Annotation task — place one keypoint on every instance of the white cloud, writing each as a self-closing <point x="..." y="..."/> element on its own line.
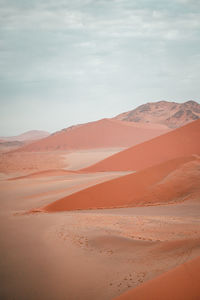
<point x="98" y="51"/>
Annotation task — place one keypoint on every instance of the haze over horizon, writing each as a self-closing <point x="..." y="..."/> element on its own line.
<point x="69" y="62"/>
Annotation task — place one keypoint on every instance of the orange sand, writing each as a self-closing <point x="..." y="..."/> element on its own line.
<point x="26" y="162"/>
<point x="168" y="182"/>
<point x="183" y="141"/>
<point x="23" y="163"/>
<point x="181" y="283"/>
<point x="46" y="256"/>
<point x="100" y="134"/>
<point x="46" y="173"/>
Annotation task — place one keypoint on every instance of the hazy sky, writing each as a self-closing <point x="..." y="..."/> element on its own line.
<point x="64" y="62"/>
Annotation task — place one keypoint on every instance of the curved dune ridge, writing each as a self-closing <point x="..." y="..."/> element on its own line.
<point x="120" y="243"/>
<point x="183" y="141"/>
<point x="45" y="173"/>
<point x="181" y="283"/>
<point x="99" y="134"/>
<point x="154" y="185"/>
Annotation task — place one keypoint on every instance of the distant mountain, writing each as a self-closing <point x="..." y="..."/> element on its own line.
<point x="171" y="114"/>
<point x="27" y="136"/>
<point x="105" y="133"/>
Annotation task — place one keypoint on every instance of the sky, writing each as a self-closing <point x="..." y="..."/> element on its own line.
<point x="65" y="62"/>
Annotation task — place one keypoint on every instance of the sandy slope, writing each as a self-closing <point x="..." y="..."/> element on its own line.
<point x="183" y="141"/>
<point x="29" y="162"/>
<point x="181" y="283"/>
<point x="79" y="159"/>
<point x="26" y="162"/>
<point x="174" y="180"/>
<point x="47" y="256"/>
<point x="104" y="133"/>
<point x="45" y="173"/>
<point x="86" y="255"/>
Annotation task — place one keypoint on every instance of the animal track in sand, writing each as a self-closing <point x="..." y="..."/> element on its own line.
<point x="129" y="281"/>
<point x="141" y="276"/>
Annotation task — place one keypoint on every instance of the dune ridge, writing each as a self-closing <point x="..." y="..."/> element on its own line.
<point x="146" y="187"/>
<point x="104" y="133"/>
<point x="184" y="141"/>
<point x="45" y="173"/>
<point x="181" y="283"/>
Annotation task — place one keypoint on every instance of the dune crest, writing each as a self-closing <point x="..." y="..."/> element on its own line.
<point x="154" y="185"/>
<point x="45" y="173"/>
<point x="105" y="133"/>
<point x="184" y="141"/>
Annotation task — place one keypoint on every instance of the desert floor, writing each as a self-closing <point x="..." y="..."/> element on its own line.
<point x="95" y="254"/>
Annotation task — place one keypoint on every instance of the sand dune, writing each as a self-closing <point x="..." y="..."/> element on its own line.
<point x="183" y="141"/>
<point x="117" y="250"/>
<point x="79" y="159"/>
<point x="154" y="185"/>
<point x="24" y="163"/>
<point x="176" y="245"/>
<point x="181" y="283"/>
<point x="20" y="163"/>
<point x="100" y="134"/>
<point x="45" y="173"/>
<point x="46" y="255"/>
<point x="119" y="244"/>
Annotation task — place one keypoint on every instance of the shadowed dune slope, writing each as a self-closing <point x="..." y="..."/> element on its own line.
<point x="154" y="185"/>
<point x="100" y="134"/>
<point x="181" y="283"/>
<point x="184" y="141"/>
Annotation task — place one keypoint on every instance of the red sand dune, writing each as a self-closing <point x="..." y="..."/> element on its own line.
<point x="181" y="283"/>
<point x="45" y="173"/>
<point x="147" y="187"/>
<point x="100" y="134"/>
<point x="184" y="141"/>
